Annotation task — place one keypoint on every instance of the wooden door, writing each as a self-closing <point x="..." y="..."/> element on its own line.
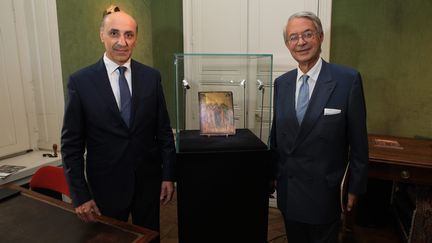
<point x="14" y="135"/>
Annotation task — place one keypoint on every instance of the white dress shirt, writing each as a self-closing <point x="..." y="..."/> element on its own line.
<point x="113" y="75"/>
<point x="313" y="74"/>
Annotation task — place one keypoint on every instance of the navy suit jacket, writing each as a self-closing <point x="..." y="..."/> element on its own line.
<point x="115" y="154"/>
<point x="311" y="158"/>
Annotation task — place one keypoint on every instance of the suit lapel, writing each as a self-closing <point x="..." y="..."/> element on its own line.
<point x="323" y="89"/>
<point x="290" y="102"/>
<point x="101" y="81"/>
<point x="287" y="124"/>
<point x="136" y="87"/>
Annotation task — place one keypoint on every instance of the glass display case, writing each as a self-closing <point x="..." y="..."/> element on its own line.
<point x="246" y="79"/>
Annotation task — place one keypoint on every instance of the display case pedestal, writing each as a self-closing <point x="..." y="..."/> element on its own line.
<point x="222" y="188"/>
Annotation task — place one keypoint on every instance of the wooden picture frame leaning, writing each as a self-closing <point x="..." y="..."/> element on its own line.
<point x="216" y="113"/>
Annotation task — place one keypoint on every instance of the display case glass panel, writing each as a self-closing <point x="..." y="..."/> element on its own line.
<point x="247" y="76"/>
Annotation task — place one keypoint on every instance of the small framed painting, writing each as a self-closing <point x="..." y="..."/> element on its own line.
<point x="216" y="113"/>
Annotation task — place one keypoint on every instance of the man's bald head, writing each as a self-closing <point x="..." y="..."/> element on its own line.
<point x="115" y="11"/>
<point x="118" y="32"/>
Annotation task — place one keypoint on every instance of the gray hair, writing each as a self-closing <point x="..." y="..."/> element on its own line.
<point x="304" y="14"/>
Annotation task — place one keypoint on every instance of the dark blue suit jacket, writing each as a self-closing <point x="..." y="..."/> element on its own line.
<point x="115" y="154"/>
<point x="311" y="158"/>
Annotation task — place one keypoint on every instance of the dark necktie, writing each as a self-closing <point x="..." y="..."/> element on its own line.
<point x="302" y="99"/>
<point x="125" y="96"/>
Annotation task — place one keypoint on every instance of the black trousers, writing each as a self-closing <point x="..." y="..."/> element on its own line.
<point x="145" y="207"/>
<point x="298" y="232"/>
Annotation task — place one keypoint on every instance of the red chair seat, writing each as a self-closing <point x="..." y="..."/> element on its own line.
<point x="52" y="178"/>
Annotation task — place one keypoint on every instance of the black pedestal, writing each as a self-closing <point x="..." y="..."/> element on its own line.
<point x="222" y="188"/>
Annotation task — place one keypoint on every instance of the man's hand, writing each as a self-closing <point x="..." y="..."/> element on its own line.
<point x="167" y="192"/>
<point x="352" y="201"/>
<point x="87" y="210"/>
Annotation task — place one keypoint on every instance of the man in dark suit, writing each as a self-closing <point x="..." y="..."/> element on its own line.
<point x="319" y="128"/>
<point x="123" y="128"/>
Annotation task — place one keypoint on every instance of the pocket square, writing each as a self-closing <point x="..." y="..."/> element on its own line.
<point x="330" y="111"/>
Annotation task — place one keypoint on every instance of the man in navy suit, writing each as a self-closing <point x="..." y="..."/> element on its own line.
<point x="319" y="128"/>
<point x="129" y="162"/>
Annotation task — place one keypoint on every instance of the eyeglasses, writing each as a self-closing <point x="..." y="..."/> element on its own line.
<point x="306" y="36"/>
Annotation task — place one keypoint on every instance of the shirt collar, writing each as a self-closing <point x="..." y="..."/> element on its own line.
<point x="313" y="73"/>
<point x="112" y="66"/>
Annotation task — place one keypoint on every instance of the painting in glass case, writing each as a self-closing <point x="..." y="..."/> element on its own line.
<point x="216" y="113"/>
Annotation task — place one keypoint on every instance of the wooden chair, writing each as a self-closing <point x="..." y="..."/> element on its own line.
<point x="50" y="178"/>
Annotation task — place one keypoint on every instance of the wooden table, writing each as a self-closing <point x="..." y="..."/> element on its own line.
<point x="406" y="160"/>
<point x="27" y="216"/>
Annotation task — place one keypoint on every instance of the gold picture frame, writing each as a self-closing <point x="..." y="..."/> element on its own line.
<point x="216" y="113"/>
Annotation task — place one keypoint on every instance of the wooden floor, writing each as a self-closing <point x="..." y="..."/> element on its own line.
<point x="276" y="232"/>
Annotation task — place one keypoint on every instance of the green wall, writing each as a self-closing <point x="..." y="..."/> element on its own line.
<point x="167" y="25"/>
<point x="160" y="34"/>
<point x="390" y="42"/>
